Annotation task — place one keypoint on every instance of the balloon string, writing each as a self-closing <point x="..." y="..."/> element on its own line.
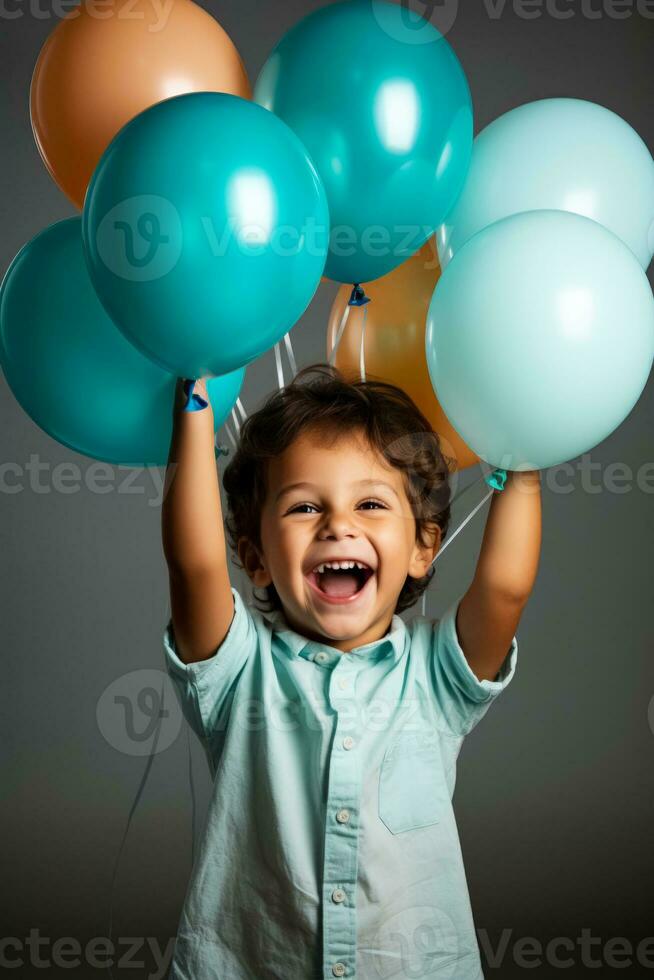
<point x="357" y="298"/>
<point x="278" y="360"/>
<point x="241" y="409"/>
<point x="133" y="807"/>
<point x="231" y="437"/>
<point x="362" y="361"/>
<point x="463" y="524"/>
<point x="148" y="766"/>
<point x="339" y="333"/>
<point x="471" y="486"/>
<point x="459" y="496"/>
<point x="223" y="450"/>
<point x="289" y="351"/>
<point x="278" y="365"/>
<point x="192" y="788"/>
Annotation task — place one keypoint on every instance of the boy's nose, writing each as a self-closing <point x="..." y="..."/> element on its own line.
<point x="337" y="525"/>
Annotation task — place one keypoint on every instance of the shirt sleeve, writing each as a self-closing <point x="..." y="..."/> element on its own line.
<point x="206" y="687"/>
<point x="463" y="699"/>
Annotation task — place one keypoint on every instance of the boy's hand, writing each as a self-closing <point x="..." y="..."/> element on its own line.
<point x="489" y="612"/>
<point x="193" y="534"/>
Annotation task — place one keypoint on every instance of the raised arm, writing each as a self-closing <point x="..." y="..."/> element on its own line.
<point x="489" y="612"/>
<point x="193" y="537"/>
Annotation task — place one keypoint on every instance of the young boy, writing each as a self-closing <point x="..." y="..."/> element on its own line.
<point x="332" y="728"/>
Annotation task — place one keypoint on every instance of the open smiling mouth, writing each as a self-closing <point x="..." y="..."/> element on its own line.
<point x="340" y="586"/>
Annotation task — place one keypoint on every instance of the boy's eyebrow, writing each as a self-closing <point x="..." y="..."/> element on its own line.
<point x="358" y="483"/>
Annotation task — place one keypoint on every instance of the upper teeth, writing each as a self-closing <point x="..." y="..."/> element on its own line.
<point x="339" y="564"/>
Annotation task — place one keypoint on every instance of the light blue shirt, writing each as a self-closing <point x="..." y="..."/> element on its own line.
<point x="330" y="847"/>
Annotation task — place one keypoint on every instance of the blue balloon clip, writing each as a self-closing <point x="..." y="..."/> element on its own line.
<point x="194" y="402"/>
<point x="358" y="296"/>
<point x="496" y="479"/>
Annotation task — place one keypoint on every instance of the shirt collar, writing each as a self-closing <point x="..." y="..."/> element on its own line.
<point x="393" y="643"/>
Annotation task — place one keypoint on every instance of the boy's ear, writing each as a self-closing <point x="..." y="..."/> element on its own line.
<point x="423" y="555"/>
<point x="253" y="563"/>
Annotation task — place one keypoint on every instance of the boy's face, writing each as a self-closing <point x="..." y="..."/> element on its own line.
<point x="352" y="505"/>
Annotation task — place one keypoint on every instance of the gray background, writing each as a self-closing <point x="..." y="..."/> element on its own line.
<point x="555" y="786"/>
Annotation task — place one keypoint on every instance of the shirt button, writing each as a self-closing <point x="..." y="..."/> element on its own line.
<point x="338" y="969"/>
<point x="338" y="895"/>
<point x="348" y="742"/>
<point x="342" y="683"/>
<point x="343" y="816"/>
<point x="321" y="657"/>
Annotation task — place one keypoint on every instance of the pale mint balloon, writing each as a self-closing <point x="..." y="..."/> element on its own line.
<point x="566" y="154"/>
<point x="540" y="338"/>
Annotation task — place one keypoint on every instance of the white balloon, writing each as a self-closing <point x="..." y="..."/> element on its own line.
<point x="566" y="154"/>
<point x="540" y="338"/>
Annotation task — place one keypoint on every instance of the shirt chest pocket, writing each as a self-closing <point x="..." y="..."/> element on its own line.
<point x="412" y="788"/>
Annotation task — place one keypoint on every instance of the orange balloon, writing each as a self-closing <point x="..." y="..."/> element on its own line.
<point x="98" y="69"/>
<point x="394" y="340"/>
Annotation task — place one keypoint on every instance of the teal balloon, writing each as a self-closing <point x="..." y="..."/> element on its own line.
<point x="73" y="372"/>
<point x="540" y="338"/>
<point x="205" y="229"/>
<point x="382" y="104"/>
<point x="563" y="154"/>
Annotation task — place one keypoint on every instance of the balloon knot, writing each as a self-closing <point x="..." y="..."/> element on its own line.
<point x="496" y="479"/>
<point x="358" y="296"/>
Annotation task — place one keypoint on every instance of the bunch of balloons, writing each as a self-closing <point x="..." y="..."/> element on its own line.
<point x="532" y="308"/>
<point x="193" y="253"/>
<point x="501" y="282"/>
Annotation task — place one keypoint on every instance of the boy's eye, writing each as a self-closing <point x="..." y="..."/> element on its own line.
<point x="377" y="503"/>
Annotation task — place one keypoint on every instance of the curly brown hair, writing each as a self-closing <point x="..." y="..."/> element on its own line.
<point x="322" y="400"/>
